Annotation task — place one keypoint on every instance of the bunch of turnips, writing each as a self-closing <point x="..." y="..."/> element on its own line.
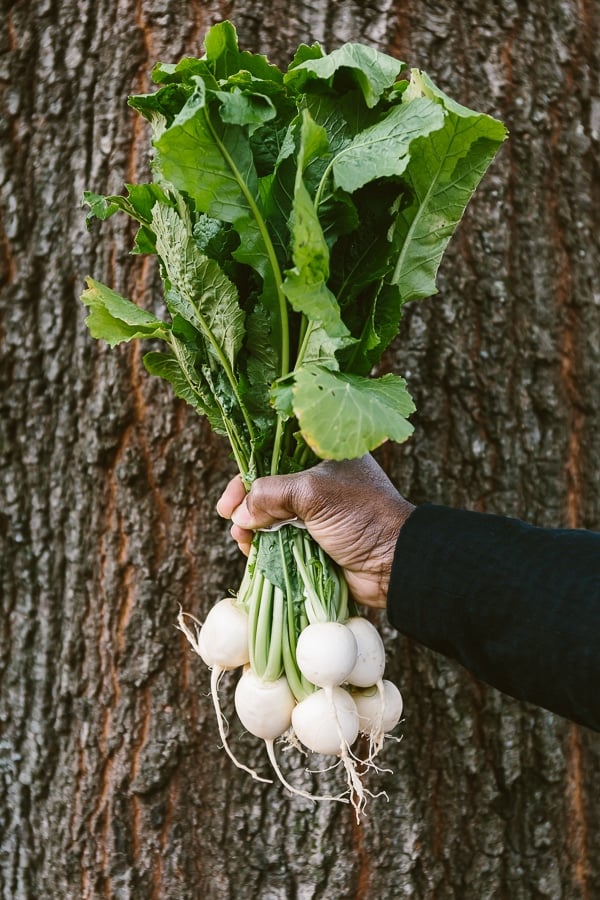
<point x="293" y="214"/>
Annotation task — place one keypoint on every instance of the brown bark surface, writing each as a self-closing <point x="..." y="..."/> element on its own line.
<point x="111" y="780"/>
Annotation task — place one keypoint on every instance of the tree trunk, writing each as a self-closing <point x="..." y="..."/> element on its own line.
<point x="112" y="783"/>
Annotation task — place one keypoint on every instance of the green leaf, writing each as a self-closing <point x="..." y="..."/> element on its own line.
<point x="360" y="261"/>
<point x="305" y="285"/>
<point x="384" y="149"/>
<point x="225" y="59"/>
<point x="322" y="348"/>
<point x="374" y="72"/>
<point x="100" y="207"/>
<point x="276" y="562"/>
<point x="138" y="203"/>
<point x="222" y="52"/>
<point x="199" y="290"/>
<point x="342" y="416"/>
<point x="182" y="374"/>
<point x="212" y="163"/>
<point x="306" y="52"/>
<point x="142" y="198"/>
<point x="282" y="397"/>
<point x="183" y="72"/>
<point x="245" y="108"/>
<point x="160" y="107"/>
<point x="209" y="161"/>
<point x="443" y="172"/>
<point x="115" y="319"/>
<point x="257" y="366"/>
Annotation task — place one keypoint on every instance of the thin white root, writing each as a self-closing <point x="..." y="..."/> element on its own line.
<point x="291" y="742"/>
<point x="358" y="794"/>
<point x="271" y="753"/>
<point x="215" y="676"/>
<point x="192" y="636"/>
<point x="216" y="673"/>
<point x="377" y="735"/>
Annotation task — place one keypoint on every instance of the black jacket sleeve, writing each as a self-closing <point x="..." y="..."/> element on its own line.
<point x="518" y="606"/>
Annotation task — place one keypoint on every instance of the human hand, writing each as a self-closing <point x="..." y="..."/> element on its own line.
<point x="350" y="508"/>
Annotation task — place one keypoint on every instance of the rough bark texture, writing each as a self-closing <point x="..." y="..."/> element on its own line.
<point x="111" y="784"/>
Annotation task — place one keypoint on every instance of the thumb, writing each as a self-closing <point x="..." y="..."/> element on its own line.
<point x="270" y="500"/>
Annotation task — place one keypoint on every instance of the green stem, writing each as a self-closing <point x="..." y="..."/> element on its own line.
<point x="263" y="627"/>
<point x="294" y="679"/>
<point x="305" y="337"/>
<point x="252" y="603"/>
<point x="299" y="686"/>
<point x="284" y="366"/>
<point x="312" y="601"/>
<point x="323" y="180"/>
<point x="232" y="381"/>
<point x="272" y="256"/>
<point x="276" y="455"/>
<point x="274" y="661"/>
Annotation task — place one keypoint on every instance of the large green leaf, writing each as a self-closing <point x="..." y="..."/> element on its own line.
<point x="443" y="172"/>
<point x="208" y="160"/>
<point x="384" y="149"/>
<point x="186" y="382"/>
<point x="115" y="319"/>
<point x="224" y="57"/>
<point x="342" y="416"/>
<point x="212" y="162"/>
<point x="199" y="290"/>
<point x="374" y="72"/>
<point x="305" y="285"/>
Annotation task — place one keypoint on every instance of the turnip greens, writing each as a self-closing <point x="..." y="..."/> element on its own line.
<point x="293" y="214"/>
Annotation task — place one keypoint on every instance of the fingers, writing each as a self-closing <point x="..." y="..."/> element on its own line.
<point x="264" y="506"/>
<point x="243" y="538"/>
<point x="231" y="497"/>
<point x="268" y="502"/>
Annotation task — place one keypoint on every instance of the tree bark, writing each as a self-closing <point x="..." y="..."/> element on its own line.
<point x="111" y="780"/>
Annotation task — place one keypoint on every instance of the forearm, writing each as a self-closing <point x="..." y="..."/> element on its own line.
<point x="518" y="606"/>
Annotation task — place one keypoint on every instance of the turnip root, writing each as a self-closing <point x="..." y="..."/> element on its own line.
<point x="326" y="653"/>
<point x="370" y="658"/>
<point x="223" y="622"/>
<point x="223" y="638"/>
<point x="264" y="707"/>
<point x="265" y="710"/>
<point x="379" y="711"/>
<point x="327" y="723"/>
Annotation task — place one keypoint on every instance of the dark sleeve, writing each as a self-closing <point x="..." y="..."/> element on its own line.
<point x="518" y="606"/>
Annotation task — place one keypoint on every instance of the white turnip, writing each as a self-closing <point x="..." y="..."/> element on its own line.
<point x="370" y="657"/>
<point x="265" y="710"/>
<point x="379" y="711"/>
<point x="219" y="644"/>
<point x="326" y="653"/>
<point x="223" y="639"/>
<point x="327" y="721"/>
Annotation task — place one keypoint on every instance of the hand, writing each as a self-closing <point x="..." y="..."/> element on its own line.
<point x="350" y="508"/>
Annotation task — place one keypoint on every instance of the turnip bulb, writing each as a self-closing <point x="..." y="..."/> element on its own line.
<point x="370" y="658"/>
<point x="223" y="638"/>
<point x="326" y="653"/>
<point x="327" y="721"/>
<point x="264" y="707"/>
